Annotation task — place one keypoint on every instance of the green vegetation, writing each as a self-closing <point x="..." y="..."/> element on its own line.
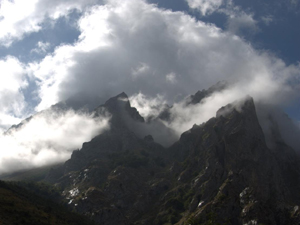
<point x="23" y="207"/>
<point x="208" y="219"/>
<point x="188" y="198"/>
<point x="168" y="217"/>
<point x="41" y="189"/>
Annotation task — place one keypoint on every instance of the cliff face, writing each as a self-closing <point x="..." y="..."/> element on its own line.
<point x="220" y="172"/>
<point x="239" y="180"/>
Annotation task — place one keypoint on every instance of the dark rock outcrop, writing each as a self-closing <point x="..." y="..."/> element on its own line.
<point x="220" y="172"/>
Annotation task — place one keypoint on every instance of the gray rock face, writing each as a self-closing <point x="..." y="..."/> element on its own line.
<point x="240" y="179"/>
<point x="221" y="172"/>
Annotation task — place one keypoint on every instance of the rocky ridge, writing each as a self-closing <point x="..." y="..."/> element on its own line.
<point x="220" y="172"/>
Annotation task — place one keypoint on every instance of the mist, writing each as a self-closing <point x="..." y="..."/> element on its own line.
<point x="158" y="57"/>
<point x="47" y="138"/>
<point x="183" y="115"/>
<point x="135" y="47"/>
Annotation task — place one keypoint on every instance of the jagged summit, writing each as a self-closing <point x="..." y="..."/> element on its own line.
<point x="117" y="99"/>
<point x="197" y="98"/>
<point x="245" y="104"/>
<point x="120" y="109"/>
<point x="122" y="95"/>
<point x="221" y="171"/>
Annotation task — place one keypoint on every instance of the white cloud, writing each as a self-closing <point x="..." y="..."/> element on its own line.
<point x="267" y="19"/>
<point x="238" y="21"/>
<point x="148" y="106"/>
<point x="50" y="73"/>
<point x="262" y="89"/>
<point x="41" y="47"/>
<point x="7" y="120"/>
<point x="124" y="38"/>
<point x="206" y="7"/>
<point x="130" y="46"/>
<point x="12" y="81"/>
<point x="171" y="78"/>
<point x="49" y="137"/>
<point x="20" y="17"/>
<point x="140" y="70"/>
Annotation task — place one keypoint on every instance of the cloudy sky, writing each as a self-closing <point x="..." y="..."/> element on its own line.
<point x="161" y="49"/>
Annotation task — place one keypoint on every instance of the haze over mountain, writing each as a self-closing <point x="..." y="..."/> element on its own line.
<point x="221" y="171"/>
<point x="130" y="46"/>
<point x="157" y="53"/>
<point x="153" y="112"/>
<point x="225" y="170"/>
<point x="50" y="136"/>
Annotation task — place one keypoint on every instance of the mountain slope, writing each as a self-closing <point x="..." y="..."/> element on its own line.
<point x="240" y="180"/>
<point x="20" y="206"/>
<point x="221" y="172"/>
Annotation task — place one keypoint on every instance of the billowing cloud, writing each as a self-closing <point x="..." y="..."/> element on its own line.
<point x="156" y="56"/>
<point x="41" y="47"/>
<point x="132" y="46"/>
<point x="148" y="106"/>
<point x="205" y="6"/>
<point x="238" y="21"/>
<point x="262" y="90"/>
<point x="19" y="17"/>
<point x="49" y="137"/>
<point x="183" y="115"/>
<point x="12" y="81"/>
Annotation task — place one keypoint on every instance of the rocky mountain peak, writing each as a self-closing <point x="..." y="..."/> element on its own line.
<point x="120" y="109"/>
<point x="245" y="105"/>
<point x="117" y="100"/>
<point x="220" y="171"/>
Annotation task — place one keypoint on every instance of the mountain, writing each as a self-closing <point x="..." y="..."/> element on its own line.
<point x="221" y="172"/>
<point x="166" y="110"/>
<point x="200" y="95"/>
<point x="79" y="103"/>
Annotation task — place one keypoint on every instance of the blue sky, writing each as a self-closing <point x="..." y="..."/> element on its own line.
<point x="49" y="41"/>
<point x="276" y="22"/>
<point x="157" y="51"/>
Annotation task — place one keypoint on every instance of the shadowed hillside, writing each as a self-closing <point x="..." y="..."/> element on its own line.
<point x="21" y="206"/>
